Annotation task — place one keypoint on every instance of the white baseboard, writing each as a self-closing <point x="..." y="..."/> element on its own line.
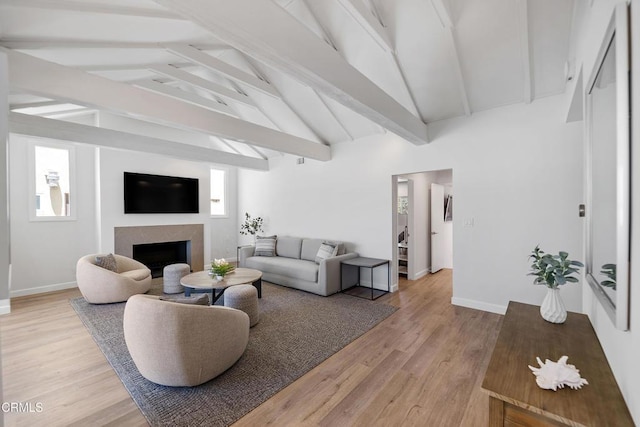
<point x="394" y="287"/>
<point x="42" y="289"/>
<point x="421" y="274"/>
<point x="479" y="305"/>
<point x="5" y="306"/>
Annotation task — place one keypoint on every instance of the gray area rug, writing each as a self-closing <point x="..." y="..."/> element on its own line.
<point x="297" y="331"/>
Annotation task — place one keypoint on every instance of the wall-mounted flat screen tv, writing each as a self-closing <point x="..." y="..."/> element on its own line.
<point x="144" y="194"/>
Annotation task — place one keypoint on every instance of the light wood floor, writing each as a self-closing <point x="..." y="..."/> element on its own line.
<point x="422" y="366"/>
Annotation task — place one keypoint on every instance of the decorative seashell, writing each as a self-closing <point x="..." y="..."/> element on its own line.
<point x="554" y="375"/>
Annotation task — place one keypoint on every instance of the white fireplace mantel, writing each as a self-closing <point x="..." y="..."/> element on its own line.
<point x="126" y="237"/>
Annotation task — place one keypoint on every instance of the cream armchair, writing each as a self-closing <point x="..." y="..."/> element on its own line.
<point x="180" y="345"/>
<point x="99" y="285"/>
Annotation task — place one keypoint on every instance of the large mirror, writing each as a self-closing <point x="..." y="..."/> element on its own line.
<point x="607" y="172"/>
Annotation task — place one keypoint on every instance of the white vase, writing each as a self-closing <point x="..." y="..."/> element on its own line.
<point x="219" y="277"/>
<point x="552" y="309"/>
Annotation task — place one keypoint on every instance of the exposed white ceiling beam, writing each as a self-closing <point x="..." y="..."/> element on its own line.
<point x="25" y="124"/>
<point x="447" y="23"/>
<point x="405" y="83"/>
<point x="396" y="61"/>
<point x="127" y="67"/>
<point x="185" y="96"/>
<point x="199" y="82"/>
<point x="443" y="13"/>
<point x="374" y="10"/>
<point x="34" y="44"/>
<point x="287" y="45"/>
<point x="40" y="77"/>
<point x="325" y="33"/>
<point x="258" y="152"/>
<point x="235" y="149"/>
<point x="303" y="121"/>
<point x="252" y="64"/>
<point x="575" y="107"/>
<point x="84" y="6"/>
<point x="523" y="24"/>
<point x="228" y="145"/>
<point x="218" y="66"/>
<point x="457" y="69"/>
<point x="334" y="115"/>
<point x="67" y="113"/>
<point x="34" y="104"/>
<point x="365" y="18"/>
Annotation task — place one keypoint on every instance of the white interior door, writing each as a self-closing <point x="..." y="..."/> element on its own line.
<point x="437" y="227"/>
<point x="411" y="265"/>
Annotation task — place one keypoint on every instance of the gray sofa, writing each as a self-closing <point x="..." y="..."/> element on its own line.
<point x="294" y="265"/>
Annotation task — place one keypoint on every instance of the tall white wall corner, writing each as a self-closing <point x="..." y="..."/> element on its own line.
<point x="5" y="260"/>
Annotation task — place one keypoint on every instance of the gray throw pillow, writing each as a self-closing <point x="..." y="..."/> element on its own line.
<point x="327" y="250"/>
<point x="107" y="261"/>
<point x="265" y="246"/>
<point x="197" y="300"/>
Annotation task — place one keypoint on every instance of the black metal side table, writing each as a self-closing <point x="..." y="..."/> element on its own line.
<point x="354" y="287"/>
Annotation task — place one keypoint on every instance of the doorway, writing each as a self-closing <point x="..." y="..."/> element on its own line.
<point x="422" y="223"/>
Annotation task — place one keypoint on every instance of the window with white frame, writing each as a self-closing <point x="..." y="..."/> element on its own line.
<point x="218" y="192"/>
<point x="51" y="181"/>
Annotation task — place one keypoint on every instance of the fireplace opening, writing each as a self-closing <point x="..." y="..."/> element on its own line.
<point x="158" y="255"/>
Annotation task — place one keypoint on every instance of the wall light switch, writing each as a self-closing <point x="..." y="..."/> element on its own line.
<point x="468" y="222"/>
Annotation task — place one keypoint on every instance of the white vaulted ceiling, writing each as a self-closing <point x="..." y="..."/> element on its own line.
<point x="313" y="71"/>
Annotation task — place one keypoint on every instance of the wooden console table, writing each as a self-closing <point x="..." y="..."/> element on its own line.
<point x="516" y="400"/>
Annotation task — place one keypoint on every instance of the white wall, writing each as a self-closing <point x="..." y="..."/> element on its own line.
<point x="5" y="261"/>
<point x="505" y="161"/>
<point x="448" y="235"/>
<point x="44" y="253"/>
<point x="445" y="178"/>
<point x="5" y="232"/>
<point x="219" y="232"/>
<point x="622" y="348"/>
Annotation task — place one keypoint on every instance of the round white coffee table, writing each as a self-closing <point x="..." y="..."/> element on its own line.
<point x="201" y="282"/>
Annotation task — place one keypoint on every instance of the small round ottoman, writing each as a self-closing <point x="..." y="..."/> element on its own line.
<point x="245" y="298"/>
<point x="171" y="275"/>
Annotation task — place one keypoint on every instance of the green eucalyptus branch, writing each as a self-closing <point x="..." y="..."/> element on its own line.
<point x="251" y="226"/>
<point x="553" y="270"/>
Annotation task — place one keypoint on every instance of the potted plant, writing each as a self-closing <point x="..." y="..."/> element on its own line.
<point x="220" y="268"/>
<point x="251" y="226"/>
<point x="553" y="271"/>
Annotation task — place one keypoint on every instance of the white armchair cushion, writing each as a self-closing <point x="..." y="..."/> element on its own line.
<point x="100" y="286"/>
<point x="183" y="344"/>
<point x="137" y="274"/>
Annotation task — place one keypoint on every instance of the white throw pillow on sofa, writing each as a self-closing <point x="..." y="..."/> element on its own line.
<point x="327" y="250"/>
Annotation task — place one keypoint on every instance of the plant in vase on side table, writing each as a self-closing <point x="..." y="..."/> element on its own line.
<point x="251" y="226"/>
<point x="553" y="271"/>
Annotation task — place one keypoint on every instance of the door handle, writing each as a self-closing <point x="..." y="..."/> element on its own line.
<point x="434" y="232"/>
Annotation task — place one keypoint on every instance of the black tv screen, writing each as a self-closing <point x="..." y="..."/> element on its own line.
<point x="144" y="193"/>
